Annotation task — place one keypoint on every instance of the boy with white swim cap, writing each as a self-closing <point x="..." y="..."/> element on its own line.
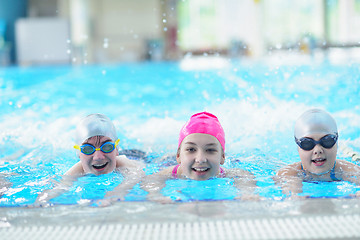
<point x="97" y="148"/>
<point x="316" y="135"/>
<point x="97" y="144"/>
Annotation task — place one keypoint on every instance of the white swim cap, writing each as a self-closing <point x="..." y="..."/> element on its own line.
<point x="314" y="121"/>
<point x="95" y="125"/>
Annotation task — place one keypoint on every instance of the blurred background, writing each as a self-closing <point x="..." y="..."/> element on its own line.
<point x="34" y="32"/>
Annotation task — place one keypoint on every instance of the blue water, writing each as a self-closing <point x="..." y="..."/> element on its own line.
<point x="257" y="105"/>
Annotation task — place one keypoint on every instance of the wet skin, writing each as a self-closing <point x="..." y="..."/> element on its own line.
<point x="99" y="162"/>
<point x="200" y="156"/>
<point x="318" y="160"/>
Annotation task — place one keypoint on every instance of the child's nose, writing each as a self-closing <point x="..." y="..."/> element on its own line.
<point x="201" y="157"/>
<point x="98" y="155"/>
<point x="318" y="149"/>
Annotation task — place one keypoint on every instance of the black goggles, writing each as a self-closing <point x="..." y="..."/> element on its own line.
<point x="307" y="144"/>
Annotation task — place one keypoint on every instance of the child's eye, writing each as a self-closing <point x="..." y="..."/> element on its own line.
<point x="211" y="150"/>
<point x="191" y="149"/>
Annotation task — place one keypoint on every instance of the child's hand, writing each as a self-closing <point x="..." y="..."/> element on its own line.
<point x="4" y="186"/>
<point x="41" y="201"/>
<point x="110" y="198"/>
<point x="40" y="204"/>
<point x="357" y="194"/>
<point x="159" y="198"/>
<point x="248" y="197"/>
<point x="103" y="203"/>
<point x="297" y="197"/>
<point x="115" y="196"/>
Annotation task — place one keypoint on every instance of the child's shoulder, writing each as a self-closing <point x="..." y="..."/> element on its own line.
<point x="346" y="166"/>
<point x="169" y="170"/>
<point x="76" y="170"/>
<point x="123" y="161"/>
<point x="165" y="173"/>
<point x="289" y="170"/>
<point x="236" y="172"/>
<point x="348" y="171"/>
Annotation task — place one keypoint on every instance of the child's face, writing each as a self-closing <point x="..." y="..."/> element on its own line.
<point x="99" y="162"/>
<point x="318" y="160"/>
<point x="200" y="156"/>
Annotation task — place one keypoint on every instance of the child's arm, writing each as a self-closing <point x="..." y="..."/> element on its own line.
<point x="45" y="196"/>
<point x="154" y="183"/>
<point x="245" y="182"/>
<point x="132" y="171"/>
<point x="75" y="170"/>
<point x="66" y="182"/>
<point x="289" y="181"/>
<point x="350" y="172"/>
<point x="4" y="185"/>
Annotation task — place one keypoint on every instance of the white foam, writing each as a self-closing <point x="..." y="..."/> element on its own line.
<point x="31" y="130"/>
<point x="246" y="124"/>
<point x="158" y="134"/>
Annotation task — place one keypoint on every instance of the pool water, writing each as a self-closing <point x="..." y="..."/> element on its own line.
<point x="257" y="104"/>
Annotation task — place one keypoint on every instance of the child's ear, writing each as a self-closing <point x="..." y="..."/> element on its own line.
<point x="178" y="156"/>
<point x="222" y="158"/>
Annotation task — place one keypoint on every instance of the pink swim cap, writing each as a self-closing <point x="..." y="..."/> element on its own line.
<point x="203" y="122"/>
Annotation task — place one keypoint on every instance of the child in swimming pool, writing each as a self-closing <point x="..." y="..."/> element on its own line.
<point x="200" y="154"/>
<point x="97" y="148"/>
<point x="316" y="136"/>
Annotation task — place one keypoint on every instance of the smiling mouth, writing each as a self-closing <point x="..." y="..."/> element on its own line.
<point x="200" y="169"/>
<point x="98" y="167"/>
<point x="318" y="161"/>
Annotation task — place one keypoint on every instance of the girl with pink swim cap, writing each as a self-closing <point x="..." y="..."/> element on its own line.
<point x="201" y="151"/>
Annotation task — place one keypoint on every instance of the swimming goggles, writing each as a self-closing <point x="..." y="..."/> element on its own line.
<point x="89" y="149"/>
<point x="307" y="144"/>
